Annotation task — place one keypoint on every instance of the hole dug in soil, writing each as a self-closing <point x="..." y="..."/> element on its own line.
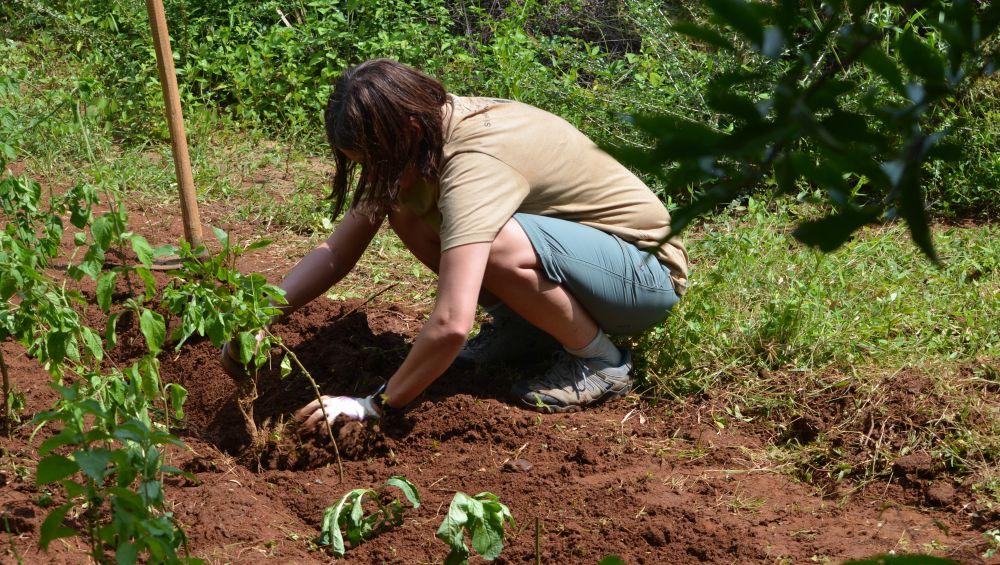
<point x="349" y="355"/>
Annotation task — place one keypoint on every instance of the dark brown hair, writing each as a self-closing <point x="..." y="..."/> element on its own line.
<point x="390" y="115"/>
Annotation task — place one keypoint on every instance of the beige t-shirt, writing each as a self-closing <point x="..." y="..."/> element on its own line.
<point x="502" y="157"/>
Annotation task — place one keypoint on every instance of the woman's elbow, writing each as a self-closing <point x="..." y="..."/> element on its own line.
<point x="452" y="330"/>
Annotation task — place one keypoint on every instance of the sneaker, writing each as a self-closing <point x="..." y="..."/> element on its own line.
<point x="507" y="340"/>
<point x="572" y="383"/>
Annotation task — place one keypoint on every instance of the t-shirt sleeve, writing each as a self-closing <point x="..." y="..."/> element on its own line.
<point x="479" y="193"/>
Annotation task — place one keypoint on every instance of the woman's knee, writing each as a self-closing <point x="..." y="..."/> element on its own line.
<point x="511" y="250"/>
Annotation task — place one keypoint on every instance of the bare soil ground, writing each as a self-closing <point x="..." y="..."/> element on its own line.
<point x="653" y="484"/>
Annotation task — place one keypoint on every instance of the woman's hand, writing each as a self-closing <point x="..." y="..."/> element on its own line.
<point x="230" y="359"/>
<point x="359" y="409"/>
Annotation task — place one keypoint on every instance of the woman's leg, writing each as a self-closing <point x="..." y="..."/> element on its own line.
<point x="514" y="274"/>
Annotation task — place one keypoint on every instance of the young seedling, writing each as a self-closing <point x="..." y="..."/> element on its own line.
<point x="483" y="516"/>
<point x="214" y="299"/>
<point x="360" y="526"/>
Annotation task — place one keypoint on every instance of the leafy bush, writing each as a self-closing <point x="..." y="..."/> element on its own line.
<point x="855" y="103"/>
<point x="107" y="454"/>
<point x="271" y="65"/>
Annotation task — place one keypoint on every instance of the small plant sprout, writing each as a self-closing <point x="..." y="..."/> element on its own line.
<point x="483" y="516"/>
<point x="349" y="513"/>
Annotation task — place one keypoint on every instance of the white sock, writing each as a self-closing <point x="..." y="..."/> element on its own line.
<point x="599" y="349"/>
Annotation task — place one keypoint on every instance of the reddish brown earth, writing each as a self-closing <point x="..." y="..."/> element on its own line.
<point x="653" y="484"/>
<point x="625" y="478"/>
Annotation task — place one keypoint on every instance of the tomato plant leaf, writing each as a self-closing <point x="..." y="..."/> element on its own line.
<point x="100" y="229"/>
<point x="127" y="554"/>
<point x="332" y="517"/>
<point x="222" y="237"/>
<point x="248" y="346"/>
<point x="111" y="330"/>
<point x="93" y="343"/>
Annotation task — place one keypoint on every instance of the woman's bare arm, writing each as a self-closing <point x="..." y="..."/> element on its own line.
<point x="330" y="262"/>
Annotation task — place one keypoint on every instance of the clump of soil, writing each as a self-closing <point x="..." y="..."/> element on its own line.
<point x="295" y="451"/>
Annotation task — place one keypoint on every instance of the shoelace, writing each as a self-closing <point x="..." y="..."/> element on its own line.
<point x="568" y="367"/>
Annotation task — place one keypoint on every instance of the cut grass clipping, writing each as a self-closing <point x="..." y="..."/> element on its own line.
<point x="483" y="516"/>
<point x="360" y="526"/>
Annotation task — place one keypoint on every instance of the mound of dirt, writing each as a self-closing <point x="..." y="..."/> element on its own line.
<point x="302" y="451"/>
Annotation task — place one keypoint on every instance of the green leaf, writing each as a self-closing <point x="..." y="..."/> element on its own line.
<point x="54" y="468"/>
<point x="330" y="534"/>
<point x="879" y="63"/>
<point x="93" y="463"/>
<point x="222" y="237"/>
<point x="178" y="395"/>
<point x="101" y="230"/>
<point x="912" y="209"/>
<point x="105" y="289"/>
<point x="56" y="345"/>
<point x="487" y="538"/>
<point x="127" y="554"/>
<point x="143" y="251"/>
<point x="260" y="243"/>
<point x="703" y="34"/>
<point x="53" y="528"/>
<point x="286" y="368"/>
<point x="741" y="17"/>
<point x="611" y="560"/>
<point x="93" y="343"/>
<point x="154" y="329"/>
<point x="408" y="488"/>
<point x="248" y="347"/>
<point x="921" y="59"/>
<point x="64" y="437"/>
<point x="831" y="232"/>
<point x="111" y="330"/>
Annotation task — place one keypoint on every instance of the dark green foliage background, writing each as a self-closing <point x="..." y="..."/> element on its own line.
<point x="269" y="65"/>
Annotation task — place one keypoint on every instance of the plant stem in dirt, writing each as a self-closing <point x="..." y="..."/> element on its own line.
<point x="246" y="395"/>
<point x="8" y="413"/>
<point x="319" y="397"/>
<point x="538" y="541"/>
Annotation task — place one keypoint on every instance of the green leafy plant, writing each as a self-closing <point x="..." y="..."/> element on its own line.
<point x="114" y="466"/>
<point x="108" y="451"/>
<point x="848" y="101"/>
<point x="992" y="543"/>
<point x="214" y="299"/>
<point x="483" y="516"/>
<point x="360" y="525"/>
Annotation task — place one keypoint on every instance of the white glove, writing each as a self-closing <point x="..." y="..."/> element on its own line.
<point x="354" y="408"/>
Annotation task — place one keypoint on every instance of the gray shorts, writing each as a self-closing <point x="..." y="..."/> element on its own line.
<point x="624" y="289"/>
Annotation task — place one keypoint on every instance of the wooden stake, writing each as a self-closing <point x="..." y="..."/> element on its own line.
<point x="175" y="121"/>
